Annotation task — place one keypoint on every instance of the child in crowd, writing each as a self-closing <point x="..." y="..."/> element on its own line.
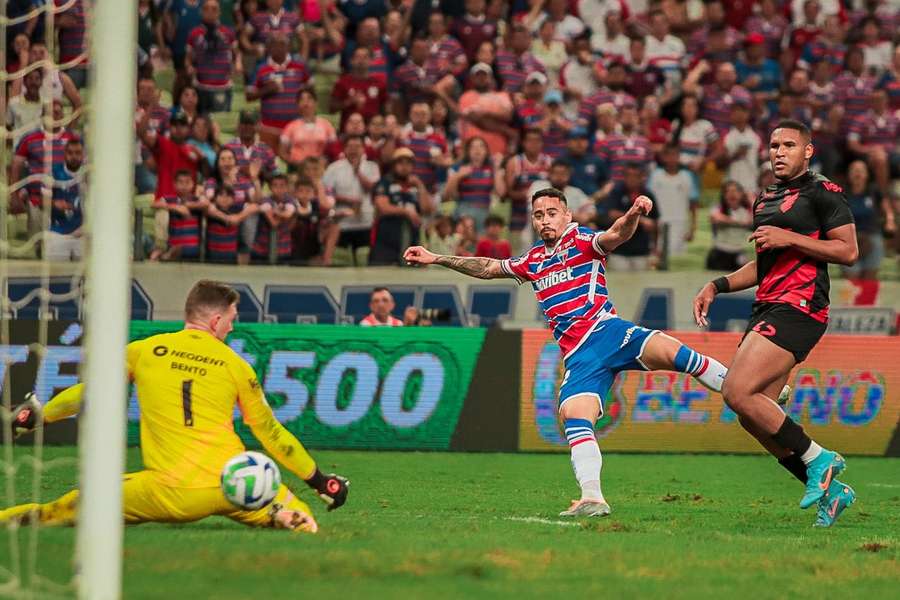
<point x="223" y="225"/>
<point x="278" y="212"/>
<point x="491" y="245"/>
<point x="184" y="219"/>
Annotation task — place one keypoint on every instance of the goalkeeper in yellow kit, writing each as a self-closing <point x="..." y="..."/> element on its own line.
<point x="187" y="385"/>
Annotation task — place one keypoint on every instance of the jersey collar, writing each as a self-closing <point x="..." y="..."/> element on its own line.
<point x="551" y="251"/>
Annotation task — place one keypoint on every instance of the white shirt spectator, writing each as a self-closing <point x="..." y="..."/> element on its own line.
<point x="618" y="47"/>
<point x="667" y="55"/>
<point x="23" y="115"/>
<point x="575" y="198"/>
<point x="879" y="56"/>
<point x="566" y="30"/>
<point x="370" y="320"/>
<point x="341" y="180"/>
<point x="745" y="169"/>
<point x="675" y="194"/>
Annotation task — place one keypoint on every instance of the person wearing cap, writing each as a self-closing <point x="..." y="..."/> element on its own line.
<point x="516" y="61"/>
<point x="400" y="202"/>
<point x="554" y="124"/>
<point x="248" y="147"/>
<point x="486" y="113"/>
<point x="589" y="173"/>
<point x="759" y="74"/>
<point x="742" y="148"/>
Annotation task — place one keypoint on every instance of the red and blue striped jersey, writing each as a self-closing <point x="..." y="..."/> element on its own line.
<point x="72" y="40"/>
<point x="260" y="151"/>
<point x="853" y="94"/>
<point x="716" y="105"/>
<point x="411" y="81"/>
<point x="514" y="69"/>
<point x="871" y="129"/>
<point x="527" y="172"/>
<point x="446" y="56"/>
<point x="569" y="281"/>
<point x="475" y="190"/>
<point x="588" y="107"/>
<point x="32" y="147"/>
<point x="222" y="237"/>
<point x="280" y="108"/>
<point x="212" y="60"/>
<point x="890" y="83"/>
<point x="425" y="145"/>
<point x="619" y="150"/>
<point x="244" y="190"/>
<point x="184" y="232"/>
<point x="264" y="23"/>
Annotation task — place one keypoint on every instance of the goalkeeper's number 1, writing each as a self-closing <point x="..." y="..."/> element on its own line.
<point x="186" y="386"/>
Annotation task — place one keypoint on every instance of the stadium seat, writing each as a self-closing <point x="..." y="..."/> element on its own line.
<point x="444" y="297"/>
<point x="490" y="303"/>
<point x="300" y="304"/>
<point x="141" y="304"/>
<point x="64" y="303"/>
<point x="655" y="309"/>
<point x="250" y="309"/>
<point x="355" y="301"/>
<point x="730" y="312"/>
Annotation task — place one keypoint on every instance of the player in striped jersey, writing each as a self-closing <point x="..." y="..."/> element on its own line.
<point x="566" y="267"/>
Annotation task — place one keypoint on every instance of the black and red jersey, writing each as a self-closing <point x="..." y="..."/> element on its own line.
<point x="810" y="205"/>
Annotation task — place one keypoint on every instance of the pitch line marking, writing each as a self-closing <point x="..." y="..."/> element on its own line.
<point x="543" y="521"/>
<point x="885" y="485"/>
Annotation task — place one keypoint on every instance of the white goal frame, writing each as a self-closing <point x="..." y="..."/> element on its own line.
<point x="110" y="142"/>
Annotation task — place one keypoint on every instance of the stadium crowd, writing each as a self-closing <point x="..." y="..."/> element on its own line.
<point x="379" y="124"/>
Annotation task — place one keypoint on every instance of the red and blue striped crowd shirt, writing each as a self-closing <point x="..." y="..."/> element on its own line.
<point x="475" y="190"/>
<point x="222" y="237"/>
<point x="853" y="94"/>
<point x="33" y="147"/>
<point x="569" y="281"/>
<point x="871" y="129"/>
<point x="282" y="234"/>
<point x="73" y="40"/>
<point x="716" y="105"/>
<point x="527" y="173"/>
<point x="264" y="23"/>
<point x="184" y="232"/>
<point x="514" y="69"/>
<point x="619" y="150"/>
<point x="410" y="80"/>
<point x="260" y="151"/>
<point x="588" y="107"/>
<point x="425" y="145"/>
<point x="447" y="56"/>
<point x="213" y="64"/>
<point x="244" y="190"/>
<point x="279" y="109"/>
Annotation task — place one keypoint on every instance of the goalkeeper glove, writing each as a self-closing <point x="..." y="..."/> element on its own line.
<point x="331" y="488"/>
<point x="25" y="416"/>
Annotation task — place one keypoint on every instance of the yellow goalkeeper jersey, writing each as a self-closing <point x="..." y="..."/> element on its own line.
<point x="188" y="384"/>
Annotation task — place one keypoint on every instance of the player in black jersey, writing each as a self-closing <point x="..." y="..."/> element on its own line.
<point x="801" y="223"/>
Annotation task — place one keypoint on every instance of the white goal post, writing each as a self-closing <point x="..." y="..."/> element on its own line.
<point x="110" y="142"/>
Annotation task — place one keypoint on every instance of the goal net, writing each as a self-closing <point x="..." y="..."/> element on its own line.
<point x="64" y="271"/>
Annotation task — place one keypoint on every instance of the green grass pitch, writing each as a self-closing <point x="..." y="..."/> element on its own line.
<point x="434" y="525"/>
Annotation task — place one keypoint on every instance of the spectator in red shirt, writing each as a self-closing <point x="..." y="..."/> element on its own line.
<point x="491" y="245"/>
<point x="172" y="153"/>
<point x="808" y="30"/>
<point x="359" y="90"/>
<point x="474" y="28"/>
<point x="642" y="78"/>
<point x="381" y="303"/>
<point x="212" y="57"/>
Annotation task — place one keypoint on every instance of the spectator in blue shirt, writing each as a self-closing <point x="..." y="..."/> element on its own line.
<point x="64" y="240"/>
<point x="760" y="75"/>
<point x="589" y="172"/>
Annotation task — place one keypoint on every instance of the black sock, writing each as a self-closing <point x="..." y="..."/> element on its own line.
<point x="794" y="466"/>
<point x="791" y="436"/>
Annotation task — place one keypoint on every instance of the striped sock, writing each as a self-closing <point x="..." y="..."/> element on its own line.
<point x="708" y="371"/>
<point x="586" y="458"/>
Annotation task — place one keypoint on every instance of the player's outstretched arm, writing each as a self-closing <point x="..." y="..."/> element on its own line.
<point x="742" y="279"/>
<point x="282" y="445"/>
<point x="473" y="266"/>
<point x="625" y="226"/>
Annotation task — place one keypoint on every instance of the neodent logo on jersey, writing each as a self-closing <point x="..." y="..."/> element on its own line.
<point x="555" y="278"/>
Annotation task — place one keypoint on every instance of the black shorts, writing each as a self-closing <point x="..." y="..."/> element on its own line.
<point x="786" y="327"/>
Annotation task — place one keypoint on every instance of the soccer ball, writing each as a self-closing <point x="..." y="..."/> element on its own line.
<point x="250" y="480"/>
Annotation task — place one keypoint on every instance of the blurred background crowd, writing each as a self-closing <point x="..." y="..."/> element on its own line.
<point x="338" y="132"/>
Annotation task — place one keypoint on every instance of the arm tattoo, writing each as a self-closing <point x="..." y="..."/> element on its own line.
<point x="482" y="268"/>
